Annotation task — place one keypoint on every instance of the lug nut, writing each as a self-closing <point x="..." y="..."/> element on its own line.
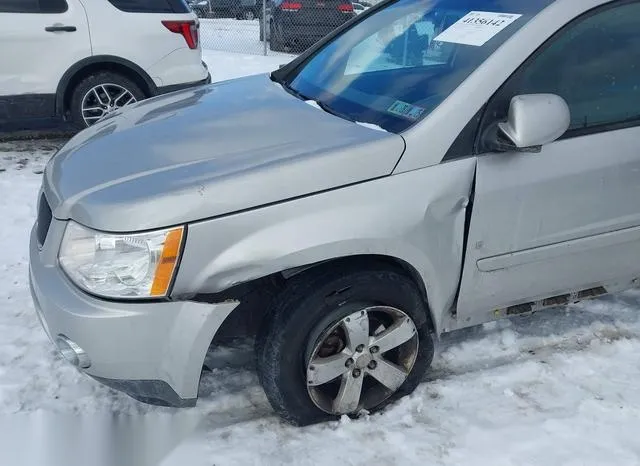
<point x="374" y="349"/>
<point x="349" y="363"/>
<point x="356" y="373"/>
<point x="372" y="365"/>
<point x="360" y="348"/>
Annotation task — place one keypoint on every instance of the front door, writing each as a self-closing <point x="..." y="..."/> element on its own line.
<point x="566" y="220"/>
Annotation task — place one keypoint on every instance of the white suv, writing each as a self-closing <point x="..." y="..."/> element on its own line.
<point x="74" y="61"/>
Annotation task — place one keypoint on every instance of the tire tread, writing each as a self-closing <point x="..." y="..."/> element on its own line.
<point x="274" y="336"/>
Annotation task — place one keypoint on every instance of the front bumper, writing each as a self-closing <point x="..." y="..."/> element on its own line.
<point x="153" y="351"/>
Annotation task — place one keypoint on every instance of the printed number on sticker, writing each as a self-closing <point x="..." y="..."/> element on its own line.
<point x="476" y="28"/>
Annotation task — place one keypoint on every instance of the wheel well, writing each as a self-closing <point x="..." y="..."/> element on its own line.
<point x="97" y="67"/>
<point x="255" y="296"/>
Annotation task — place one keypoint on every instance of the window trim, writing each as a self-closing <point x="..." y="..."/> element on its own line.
<point x="485" y="124"/>
<point x="463" y="145"/>
<point x="39" y="11"/>
<point x="177" y="7"/>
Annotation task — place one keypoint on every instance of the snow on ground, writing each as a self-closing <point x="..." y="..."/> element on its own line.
<point x="224" y="65"/>
<point x="232" y="35"/>
<point x="557" y="388"/>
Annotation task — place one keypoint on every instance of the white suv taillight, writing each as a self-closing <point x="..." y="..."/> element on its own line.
<point x="189" y="30"/>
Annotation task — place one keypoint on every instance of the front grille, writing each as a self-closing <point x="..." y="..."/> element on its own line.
<point x="44" y="219"/>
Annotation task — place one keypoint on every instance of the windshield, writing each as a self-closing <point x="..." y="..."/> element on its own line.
<point x="399" y="64"/>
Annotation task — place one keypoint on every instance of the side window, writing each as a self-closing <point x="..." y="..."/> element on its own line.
<point x="53" y="6"/>
<point x="151" y="6"/>
<point x="594" y="64"/>
<point x="33" y="6"/>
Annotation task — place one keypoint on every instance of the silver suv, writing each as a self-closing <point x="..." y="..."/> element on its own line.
<point x="427" y="167"/>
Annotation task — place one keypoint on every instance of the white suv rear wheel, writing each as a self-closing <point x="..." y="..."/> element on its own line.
<point x="99" y="94"/>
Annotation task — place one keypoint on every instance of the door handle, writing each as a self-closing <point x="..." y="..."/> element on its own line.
<point x="60" y="29"/>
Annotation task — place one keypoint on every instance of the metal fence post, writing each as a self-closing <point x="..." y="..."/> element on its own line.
<point x="264" y="26"/>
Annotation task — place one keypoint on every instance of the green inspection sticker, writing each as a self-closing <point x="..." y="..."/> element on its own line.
<point x="406" y="110"/>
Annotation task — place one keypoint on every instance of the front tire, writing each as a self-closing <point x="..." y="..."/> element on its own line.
<point x="341" y="340"/>
<point x="99" y="94"/>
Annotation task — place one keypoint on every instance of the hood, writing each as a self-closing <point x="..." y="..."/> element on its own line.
<point x="209" y="151"/>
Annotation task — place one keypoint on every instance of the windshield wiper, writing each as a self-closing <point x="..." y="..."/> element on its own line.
<point x="319" y="103"/>
<point x="328" y="109"/>
<point x="291" y="90"/>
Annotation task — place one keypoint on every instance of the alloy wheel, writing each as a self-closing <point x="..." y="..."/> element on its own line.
<point x="103" y="99"/>
<point x="361" y="360"/>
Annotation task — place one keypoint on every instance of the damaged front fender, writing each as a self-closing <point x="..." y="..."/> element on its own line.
<point x="416" y="217"/>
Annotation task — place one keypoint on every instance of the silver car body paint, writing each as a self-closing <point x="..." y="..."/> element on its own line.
<point x="164" y="341"/>
<point x="268" y="183"/>
<point x="427" y="233"/>
<point x="572" y="216"/>
<point x="241" y="144"/>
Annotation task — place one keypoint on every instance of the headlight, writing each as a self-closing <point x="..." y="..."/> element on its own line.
<point x="121" y="266"/>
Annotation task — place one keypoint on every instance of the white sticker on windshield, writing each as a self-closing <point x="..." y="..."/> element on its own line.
<point x="476" y="28"/>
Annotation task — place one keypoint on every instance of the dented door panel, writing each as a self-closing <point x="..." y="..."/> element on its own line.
<point x="564" y="220"/>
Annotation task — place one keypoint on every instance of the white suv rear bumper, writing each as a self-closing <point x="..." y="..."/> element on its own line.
<point x="179" y="67"/>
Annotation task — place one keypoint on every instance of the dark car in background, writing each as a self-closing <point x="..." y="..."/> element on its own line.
<point x="199" y="7"/>
<point x="239" y="9"/>
<point x="297" y="24"/>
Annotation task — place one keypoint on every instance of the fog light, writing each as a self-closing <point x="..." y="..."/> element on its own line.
<point x="72" y="352"/>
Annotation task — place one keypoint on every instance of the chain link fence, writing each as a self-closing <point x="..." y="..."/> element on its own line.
<point x="270" y="27"/>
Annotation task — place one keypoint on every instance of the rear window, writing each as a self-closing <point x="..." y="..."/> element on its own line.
<point x="151" y="6"/>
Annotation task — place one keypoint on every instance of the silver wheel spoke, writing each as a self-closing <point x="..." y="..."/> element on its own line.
<point x="388" y="374"/>
<point x="349" y="395"/>
<point x="117" y="99"/>
<point x="98" y="97"/>
<point x="357" y="328"/>
<point x="93" y="109"/>
<point x="394" y="336"/>
<point x="323" y="370"/>
<point x="91" y="118"/>
<point x="106" y="92"/>
<point x="125" y="93"/>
